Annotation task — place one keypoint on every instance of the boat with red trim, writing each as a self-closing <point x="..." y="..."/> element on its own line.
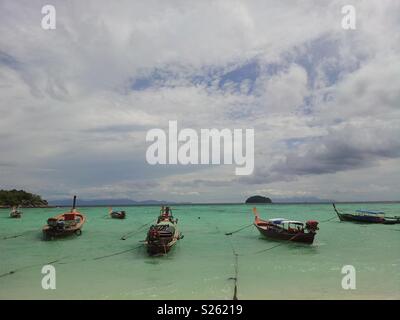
<point x="289" y="230"/>
<point x="163" y="235"/>
<point x="65" y="224"/>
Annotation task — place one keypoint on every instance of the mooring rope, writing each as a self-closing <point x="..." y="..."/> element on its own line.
<point x="12" y="237"/>
<point x="116" y="253"/>
<point x="28" y="267"/>
<point x="335" y="217"/>
<point x="18" y="235"/>
<point x="132" y="233"/>
<point x="230" y="233"/>
<point x="59" y="261"/>
<point x="236" y="264"/>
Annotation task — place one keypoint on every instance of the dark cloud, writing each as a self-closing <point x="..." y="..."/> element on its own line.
<point x="347" y="149"/>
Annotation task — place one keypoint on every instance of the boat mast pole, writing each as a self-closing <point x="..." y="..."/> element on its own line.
<point x="73" y="204"/>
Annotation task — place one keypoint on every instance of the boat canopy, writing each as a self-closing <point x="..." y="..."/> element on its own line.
<point x="277" y="220"/>
<point x="369" y="212"/>
<point x="293" y="222"/>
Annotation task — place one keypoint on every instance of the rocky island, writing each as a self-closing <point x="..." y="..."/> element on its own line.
<point x="258" y="199"/>
<point x="10" y="198"/>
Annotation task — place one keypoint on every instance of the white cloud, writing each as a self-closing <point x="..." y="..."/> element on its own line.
<point x="71" y="119"/>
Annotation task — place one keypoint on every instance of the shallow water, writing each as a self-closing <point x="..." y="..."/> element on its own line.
<point x="96" y="265"/>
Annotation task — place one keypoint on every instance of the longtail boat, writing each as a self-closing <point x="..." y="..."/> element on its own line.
<point x="163" y="235"/>
<point x="366" y="216"/>
<point x="65" y="224"/>
<point x="15" y="213"/>
<point x="117" y="214"/>
<point x="283" y="229"/>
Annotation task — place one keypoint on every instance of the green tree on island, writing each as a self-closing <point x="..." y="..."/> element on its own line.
<point x="9" y="198"/>
<point x="258" y="199"/>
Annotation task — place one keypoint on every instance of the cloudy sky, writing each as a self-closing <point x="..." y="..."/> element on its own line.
<point x="76" y="102"/>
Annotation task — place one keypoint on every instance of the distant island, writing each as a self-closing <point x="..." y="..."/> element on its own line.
<point x="10" y="198"/>
<point x="258" y="199"/>
<point x="110" y="202"/>
<point x="309" y="199"/>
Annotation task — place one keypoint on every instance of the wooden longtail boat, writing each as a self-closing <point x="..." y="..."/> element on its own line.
<point x="366" y="216"/>
<point x="282" y="229"/>
<point x="15" y="213"/>
<point x="117" y="214"/>
<point x="64" y="224"/>
<point x="162" y="236"/>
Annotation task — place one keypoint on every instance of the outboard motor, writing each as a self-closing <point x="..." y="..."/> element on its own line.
<point x="153" y="233"/>
<point x="312" y="225"/>
<point x="52" y="222"/>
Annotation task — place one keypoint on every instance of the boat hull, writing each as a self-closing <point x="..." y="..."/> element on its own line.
<point x="276" y="234"/>
<point x="365" y="218"/>
<point x="49" y="233"/>
<point x="360" y="219"/>
<point x="54" y="232"/>
<point x="158" y="249"/>
<point x="118" y="215"/>
<point x="391" y="221"/>
<point x="162" y="245"/>
<point x="15" y="215"/>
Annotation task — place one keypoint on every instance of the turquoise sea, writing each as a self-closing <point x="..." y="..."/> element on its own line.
<point x="99" y="265"/>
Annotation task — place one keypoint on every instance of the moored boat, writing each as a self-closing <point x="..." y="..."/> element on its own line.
<point x="163" y="235"/>
<point x="15" y="213"/>
<point x="117" y="214"/>
<point x="283" y="229"/>
<point x="65" y="224"/>
<point x="366" y="216"/>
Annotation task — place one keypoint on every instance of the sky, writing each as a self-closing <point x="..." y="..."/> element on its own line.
<point x="324" y="102"/>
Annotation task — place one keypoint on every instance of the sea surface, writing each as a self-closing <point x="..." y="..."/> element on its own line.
<point x="99" y="265"/>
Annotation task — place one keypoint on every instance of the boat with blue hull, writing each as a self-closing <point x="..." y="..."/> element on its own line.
<point x="366" y="216"/>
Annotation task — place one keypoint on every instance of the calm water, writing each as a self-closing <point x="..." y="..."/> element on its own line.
<point x="95" y="266"/>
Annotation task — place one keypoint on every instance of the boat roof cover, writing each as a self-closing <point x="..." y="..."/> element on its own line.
<point x="294" y="222"/>
<point x="370" y="212"/>
<point x="165" y="223"/>
<point x="277" y="220"/>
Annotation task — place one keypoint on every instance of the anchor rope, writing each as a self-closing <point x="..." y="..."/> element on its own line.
<point x="30" y="266"/>
<point x="17" y="235"/>
<point x="132" y="233"/>
<point x="236" y="264"/>
<point x="59" y="261"/>
<point x="12" y="237"/>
